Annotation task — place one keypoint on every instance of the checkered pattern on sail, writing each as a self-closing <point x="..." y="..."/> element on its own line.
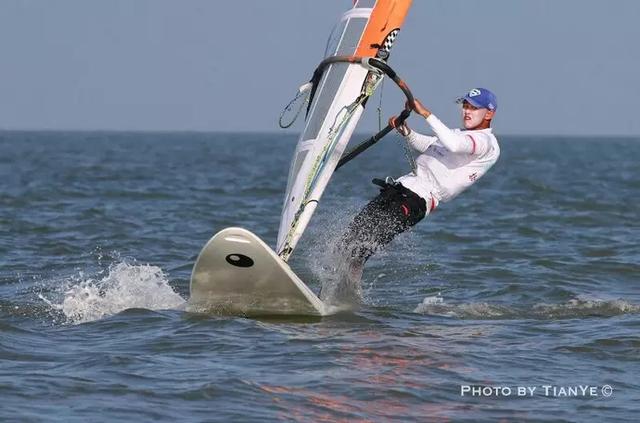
<point x="387" y="44"/>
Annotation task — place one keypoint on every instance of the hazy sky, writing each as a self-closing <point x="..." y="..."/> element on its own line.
<point x="557" y="66"/>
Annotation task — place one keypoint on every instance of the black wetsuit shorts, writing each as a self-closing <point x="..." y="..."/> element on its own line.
<point x="392" y="212"/>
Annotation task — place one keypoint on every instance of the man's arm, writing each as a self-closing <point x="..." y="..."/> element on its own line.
<point x="420" y="142"/>
<point x="417" y="141"/>
<point x="476" y="144"/>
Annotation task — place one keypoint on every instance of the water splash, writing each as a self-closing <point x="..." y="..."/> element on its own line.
<point x="345" y="284"/>
<point x="125" y="286"/>
<point x="574" y="308"/>
<point x="341" y="287"/>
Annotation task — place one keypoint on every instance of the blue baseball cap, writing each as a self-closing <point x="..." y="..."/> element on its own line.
<point x="480" y="97"/>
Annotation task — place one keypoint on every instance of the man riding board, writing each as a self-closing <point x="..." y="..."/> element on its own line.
<point x="448" y="163"/>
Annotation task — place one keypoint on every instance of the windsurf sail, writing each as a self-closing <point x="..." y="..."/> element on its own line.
<point x="338" y="95"/>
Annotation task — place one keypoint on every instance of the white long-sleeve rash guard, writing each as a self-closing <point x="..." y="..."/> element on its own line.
<point x="449" y="162"/>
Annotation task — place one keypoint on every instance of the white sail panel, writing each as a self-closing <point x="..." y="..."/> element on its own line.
<point x="332" y="117"/>
<point x="366" y="31"/>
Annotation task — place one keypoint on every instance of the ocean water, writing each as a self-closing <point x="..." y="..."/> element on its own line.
<point x="518" y="301"/>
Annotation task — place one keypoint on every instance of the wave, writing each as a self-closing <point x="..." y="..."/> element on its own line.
<point x="574" y="308"/>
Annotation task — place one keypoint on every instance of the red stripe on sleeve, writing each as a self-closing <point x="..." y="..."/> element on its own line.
<point x="473" y="150"/>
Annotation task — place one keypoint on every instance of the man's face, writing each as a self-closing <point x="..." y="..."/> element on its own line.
<point x="472" y="116"/>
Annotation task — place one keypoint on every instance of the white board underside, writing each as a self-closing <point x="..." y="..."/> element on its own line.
<point x="237" y="273"/>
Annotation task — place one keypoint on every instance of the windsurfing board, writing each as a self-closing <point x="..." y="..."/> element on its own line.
<point x="237" y="273"/>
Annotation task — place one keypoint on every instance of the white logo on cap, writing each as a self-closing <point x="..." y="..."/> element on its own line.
<point x="474" y="92"/>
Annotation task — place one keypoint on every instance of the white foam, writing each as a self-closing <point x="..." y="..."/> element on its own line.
<point x="436" y="299"/>
<point x="583" y="306"/>
<point x="578" y="307"/>
<point x="125" y="286"/>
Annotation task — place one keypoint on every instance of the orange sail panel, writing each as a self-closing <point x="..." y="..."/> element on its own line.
<point x="387" y="16"/>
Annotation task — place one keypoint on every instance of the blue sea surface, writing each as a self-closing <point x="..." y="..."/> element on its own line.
<point x="529" y="280"/>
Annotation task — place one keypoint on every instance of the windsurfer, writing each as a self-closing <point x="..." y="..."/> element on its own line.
<point x="448" y="163"/>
